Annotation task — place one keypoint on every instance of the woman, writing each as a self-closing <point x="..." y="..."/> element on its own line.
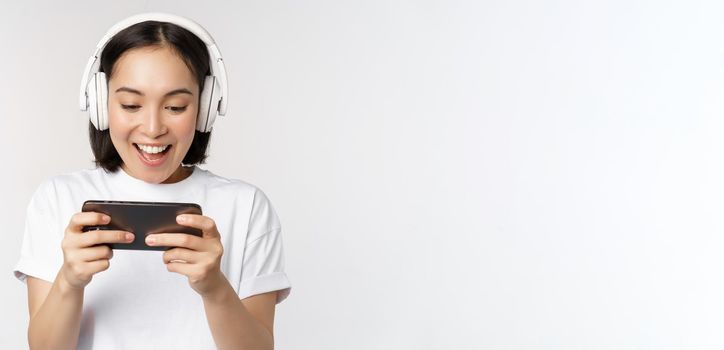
<point x="215" y="291"/>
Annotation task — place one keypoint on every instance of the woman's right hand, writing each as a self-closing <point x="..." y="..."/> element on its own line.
<point x="84" y="253"/>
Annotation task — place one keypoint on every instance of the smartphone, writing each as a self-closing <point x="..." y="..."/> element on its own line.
<point x="142" y="219"/>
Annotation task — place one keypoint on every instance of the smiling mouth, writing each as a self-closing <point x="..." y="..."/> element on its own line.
<point x="152" y="158"/>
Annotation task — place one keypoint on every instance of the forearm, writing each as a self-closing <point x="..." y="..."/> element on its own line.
<point x="232" y="325"/>
<point x="56" y="325"/>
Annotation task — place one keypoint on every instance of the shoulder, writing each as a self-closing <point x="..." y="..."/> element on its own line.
<point x="232" y="186"/>
<point x="58" y="184"/>
<point x="48" y="196"/>
<point x="247" y="195"/>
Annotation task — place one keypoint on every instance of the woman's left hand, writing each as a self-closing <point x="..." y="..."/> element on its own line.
<point x="198" y="258"/>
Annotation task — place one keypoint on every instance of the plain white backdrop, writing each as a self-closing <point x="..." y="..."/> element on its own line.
<point x="449" y="174"/>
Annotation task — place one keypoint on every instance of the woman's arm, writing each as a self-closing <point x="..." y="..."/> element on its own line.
<point x="55" y="312"/>
<point x="55" y="315"/>
<point x="241" y="324"/>
<point x="234" y="324"/>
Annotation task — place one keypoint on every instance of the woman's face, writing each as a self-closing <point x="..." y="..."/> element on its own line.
<point x="152" y="105"/>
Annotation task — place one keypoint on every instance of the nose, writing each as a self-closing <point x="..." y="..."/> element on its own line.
<point x="153" y="125"/>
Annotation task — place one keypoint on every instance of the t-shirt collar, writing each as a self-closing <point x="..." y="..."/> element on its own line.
<point x="140" y="190"/>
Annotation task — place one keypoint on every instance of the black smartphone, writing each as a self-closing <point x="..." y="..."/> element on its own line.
<point x="142" y="219"/>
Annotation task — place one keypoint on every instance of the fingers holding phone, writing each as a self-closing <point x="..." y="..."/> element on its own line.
<point x="87" y="253"/>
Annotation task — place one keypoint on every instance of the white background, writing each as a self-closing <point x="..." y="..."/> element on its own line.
<point x="449" y="174"/>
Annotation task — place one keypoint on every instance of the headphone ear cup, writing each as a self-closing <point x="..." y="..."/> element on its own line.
<point x="97" y="90"/>
<point x="92" y="96"/>
<point x="208" y="104"/>
<point x="102" y="99"/>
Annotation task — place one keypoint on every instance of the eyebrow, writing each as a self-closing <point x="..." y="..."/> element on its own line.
<point x="172" y="92"/>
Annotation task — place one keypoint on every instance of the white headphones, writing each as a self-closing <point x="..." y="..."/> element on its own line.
<point x="94" y="92"/>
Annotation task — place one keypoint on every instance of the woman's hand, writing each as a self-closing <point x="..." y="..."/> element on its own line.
<point x="84" y="253"/>
<point x="198" y="258"/>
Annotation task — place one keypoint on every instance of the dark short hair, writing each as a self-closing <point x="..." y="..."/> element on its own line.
<point x="192" y="51"/>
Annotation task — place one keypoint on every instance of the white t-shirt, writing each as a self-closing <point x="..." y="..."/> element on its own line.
<point x="137" y="303"/>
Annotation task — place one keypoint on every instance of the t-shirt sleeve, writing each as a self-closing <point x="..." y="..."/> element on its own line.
<point x="263" y="263"/>
<point x="40" y="253"/>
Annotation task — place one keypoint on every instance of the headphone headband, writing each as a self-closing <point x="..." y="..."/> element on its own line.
<point x="216" y="61"/>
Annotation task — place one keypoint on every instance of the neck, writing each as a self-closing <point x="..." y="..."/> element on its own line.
<point x="178" y="175"/>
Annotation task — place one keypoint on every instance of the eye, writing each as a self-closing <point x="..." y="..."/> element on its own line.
<point x="130" y="107"/>
<point x="177" y="109"/>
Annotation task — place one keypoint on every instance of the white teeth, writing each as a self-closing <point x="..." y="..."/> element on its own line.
<point x="152" y="149"/>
